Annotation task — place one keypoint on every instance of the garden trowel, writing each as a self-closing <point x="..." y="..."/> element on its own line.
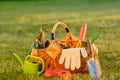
<point x="93" y="63"/>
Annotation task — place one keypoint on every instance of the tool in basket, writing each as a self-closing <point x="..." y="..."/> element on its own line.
<point x="82" y="35"/>
<point x="93" y="63"/>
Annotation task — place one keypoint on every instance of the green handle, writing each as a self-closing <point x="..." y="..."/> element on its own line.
<point x="30" y="49"/>
<point x="42" y="61"/>
<point x="94" y="36"/>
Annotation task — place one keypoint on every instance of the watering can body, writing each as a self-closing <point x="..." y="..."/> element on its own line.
<point x="31" y="67"/>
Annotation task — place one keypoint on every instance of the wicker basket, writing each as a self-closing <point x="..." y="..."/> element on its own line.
<point x="52" y="53"/>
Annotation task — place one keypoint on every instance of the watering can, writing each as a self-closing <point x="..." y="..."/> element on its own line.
<point x="30" y="67"/>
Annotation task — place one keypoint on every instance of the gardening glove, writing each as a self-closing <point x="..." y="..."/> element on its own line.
<point x="72" y="57"/>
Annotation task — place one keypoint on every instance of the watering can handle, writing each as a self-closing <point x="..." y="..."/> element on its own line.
<point x="41" y="59"/>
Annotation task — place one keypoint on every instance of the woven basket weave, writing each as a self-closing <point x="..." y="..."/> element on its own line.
<point x="52" y="53"/>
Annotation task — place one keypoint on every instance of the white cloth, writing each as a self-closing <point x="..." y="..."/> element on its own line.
<point x="72" y="58"/>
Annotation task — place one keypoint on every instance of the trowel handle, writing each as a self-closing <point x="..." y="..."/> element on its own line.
<point x="41" y="59"/>
<point x="89" y="50"/>
<point x="83" y="31"/>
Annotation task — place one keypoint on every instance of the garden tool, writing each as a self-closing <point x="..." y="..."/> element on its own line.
<point x="72" y="58"/>
<point x="61" y="73"/>
<point x="38" y="43"/>
<point x="83" y="31"/>
<point x="65" y="75"/>
<point x="94" y="36"/>
<point x="30" y="49"/>
<point x="40" y="39"/>
<point x="93" y="64"/>
<point x="48" y="73"/>
<point x="31" y="67"/>
<point x="34" y="44"/>
<point x="82" y="35"/>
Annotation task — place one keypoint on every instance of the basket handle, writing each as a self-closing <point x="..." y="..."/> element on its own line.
<point x="54" y="29"/>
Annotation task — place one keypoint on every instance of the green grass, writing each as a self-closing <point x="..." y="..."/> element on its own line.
<point x="20" y="22"/>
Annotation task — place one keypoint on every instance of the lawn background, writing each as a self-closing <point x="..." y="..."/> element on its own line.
<point x="20" y="22"/>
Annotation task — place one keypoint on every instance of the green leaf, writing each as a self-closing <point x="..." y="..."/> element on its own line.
<point x="94" y="36"/>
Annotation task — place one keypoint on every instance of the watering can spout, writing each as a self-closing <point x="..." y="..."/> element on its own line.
<point x="18" y="59"/>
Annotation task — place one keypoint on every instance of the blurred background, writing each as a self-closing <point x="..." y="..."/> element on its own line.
<point x="20" y="21"/>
